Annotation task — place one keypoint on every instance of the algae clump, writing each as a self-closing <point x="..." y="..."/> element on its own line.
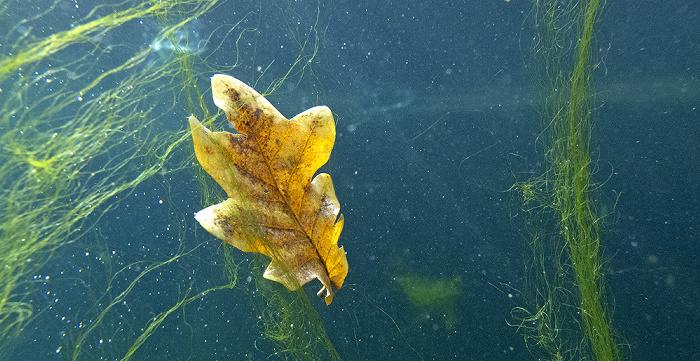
<point x="434" y="298"/>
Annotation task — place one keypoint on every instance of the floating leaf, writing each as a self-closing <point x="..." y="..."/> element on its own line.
<point x="274" y="207"/>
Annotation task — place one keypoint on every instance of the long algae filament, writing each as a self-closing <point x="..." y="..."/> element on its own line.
<point x="576" y="283"/>
<point x="579" y="224"/>
<point x="71" y="141"/>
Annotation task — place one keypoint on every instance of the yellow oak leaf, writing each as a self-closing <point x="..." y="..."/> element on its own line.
<point x="274" y="206"/>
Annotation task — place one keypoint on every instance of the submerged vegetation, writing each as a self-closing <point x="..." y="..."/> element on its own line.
<point x="570" y="302"/>
<point x="92" y="111"/>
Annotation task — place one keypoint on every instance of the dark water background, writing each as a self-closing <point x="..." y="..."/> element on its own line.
<point x="437" y="118"/>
